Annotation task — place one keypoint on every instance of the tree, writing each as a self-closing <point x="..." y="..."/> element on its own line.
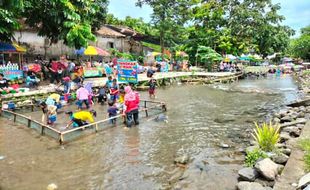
<point x="300" y="47"/>
<point x="169" y="17"/>
<point x="70" y="20"/>
<point x="9" y="12"/>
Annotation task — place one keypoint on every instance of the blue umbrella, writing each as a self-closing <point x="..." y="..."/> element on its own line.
<point x="5" y="47"/>
<point x="80" y="51"/>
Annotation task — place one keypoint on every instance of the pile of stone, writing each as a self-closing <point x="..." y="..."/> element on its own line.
<point x="263" y="175"/>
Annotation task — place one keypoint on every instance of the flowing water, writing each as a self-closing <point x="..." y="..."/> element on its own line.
<point x="201" y="118"/>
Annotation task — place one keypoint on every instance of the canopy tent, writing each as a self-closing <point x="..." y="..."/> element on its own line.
<point x="91" y="51"/>
<point x="229" y="58"/>
<point x="7" y="48"/>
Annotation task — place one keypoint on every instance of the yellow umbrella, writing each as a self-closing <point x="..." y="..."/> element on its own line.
<point x="156" y="53"/>
<point x="19" y="48"/>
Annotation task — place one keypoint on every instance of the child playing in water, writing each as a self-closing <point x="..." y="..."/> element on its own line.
<point x="112" y="112"/>
<point x="102" y="96"/>
<point x="114" y="91"/>
<point x="49" y="112"/>
<point x="152" y="85"/>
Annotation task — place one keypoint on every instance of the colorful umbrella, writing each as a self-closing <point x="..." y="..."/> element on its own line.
<point x="6" y="47"/>
<point x="153" y="54"/>
<point x="91" y="50"/>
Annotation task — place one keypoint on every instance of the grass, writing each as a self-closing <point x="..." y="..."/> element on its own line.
<point x="155" y="47"/>
<point x="252" y="157"/>
<point x="304" y="144"/>
<point x="266" y="136"/>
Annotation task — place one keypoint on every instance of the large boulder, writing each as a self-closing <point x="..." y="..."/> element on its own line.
<point x="245" y="185"/>
<point x="267" y="168"/>
<point x="304" y="181"/>
<point x="248" y="174"/>
<point x="280" y="158"/>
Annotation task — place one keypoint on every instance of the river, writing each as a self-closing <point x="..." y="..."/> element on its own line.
<point x="201" y="119"/>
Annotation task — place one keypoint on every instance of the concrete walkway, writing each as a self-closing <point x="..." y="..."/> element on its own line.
<point x="141" y="78"/>
<point x="294" y="169"/>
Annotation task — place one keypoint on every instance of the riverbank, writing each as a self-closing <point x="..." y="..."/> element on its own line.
<point x="284" y="166"/>
<point x="141" y="78"/>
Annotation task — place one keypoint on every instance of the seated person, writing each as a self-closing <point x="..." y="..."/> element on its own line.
<point x="4" y="86"/>
<point x="81" y="118"/>
<point x="32" y="80"/>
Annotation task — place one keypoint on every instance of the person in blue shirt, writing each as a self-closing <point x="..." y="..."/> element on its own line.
<point x="32" y="80"/>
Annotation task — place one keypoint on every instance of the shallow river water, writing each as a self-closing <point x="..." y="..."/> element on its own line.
<point x="201" y="118"/>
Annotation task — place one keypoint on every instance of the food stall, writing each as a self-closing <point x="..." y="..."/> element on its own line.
<point x="12" y="71"/>
<point x="96" y="70"/>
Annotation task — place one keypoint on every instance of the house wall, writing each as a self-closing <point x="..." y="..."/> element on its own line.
<point x="38" y="45"/>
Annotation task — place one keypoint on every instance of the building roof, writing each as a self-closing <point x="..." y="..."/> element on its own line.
<point x="126" y="31"/>
<point x="105" y="31"/>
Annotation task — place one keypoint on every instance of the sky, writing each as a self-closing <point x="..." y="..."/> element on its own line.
<point x="297" y="12"/>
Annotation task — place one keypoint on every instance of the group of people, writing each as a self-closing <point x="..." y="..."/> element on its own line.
<point x="121" y="100"/>
<point x="228" y="67"/>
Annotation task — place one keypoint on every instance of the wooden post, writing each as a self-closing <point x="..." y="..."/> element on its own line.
<point x="61" y="139"/>
<point x="29" y="122"/>
<point x="14" y="118"/>
<point x="42" y="129"/>
<point x="146" y="113"/>
<point x="96" y="127"/>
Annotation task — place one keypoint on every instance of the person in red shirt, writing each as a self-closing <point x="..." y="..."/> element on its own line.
<point x="56" y="69"/>
<point x="131" y="106"/>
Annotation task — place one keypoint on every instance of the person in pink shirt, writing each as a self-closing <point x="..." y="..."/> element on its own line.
<point x="82" y="95"/>
<point x="131" y="106"/>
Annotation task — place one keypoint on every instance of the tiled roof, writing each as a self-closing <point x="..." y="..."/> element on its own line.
<point x="107" y="32"/>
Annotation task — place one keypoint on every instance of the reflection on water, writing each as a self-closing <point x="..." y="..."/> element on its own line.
<point x="200" y="119"/>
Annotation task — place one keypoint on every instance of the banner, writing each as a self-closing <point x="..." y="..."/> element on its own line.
<point x="127" y="71"/>
<point x="13" y="74"/>
<point x="92" y="72"/>
<point x="164" y="67"/>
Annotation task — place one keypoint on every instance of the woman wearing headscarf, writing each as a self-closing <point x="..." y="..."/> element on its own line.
<point x="131" y="106"/>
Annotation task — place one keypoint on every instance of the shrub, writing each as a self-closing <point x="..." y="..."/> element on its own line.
<point x="253" y="156"/>
<point x="266" y="136"/>
<point x="305" y="145"/>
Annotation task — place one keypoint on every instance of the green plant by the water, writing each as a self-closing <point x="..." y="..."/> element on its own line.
<point x="305" y="145"/>
<point x="266" y="136"/>
<point x="253" y="156"/>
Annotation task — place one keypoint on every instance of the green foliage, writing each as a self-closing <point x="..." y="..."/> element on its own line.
<point x="304" y="144"/>
<point x="153" y="46"/>
<point x="266" y="136"/>
<point x="300" y="47"/>
<point x="252" y="157"/>
<point x="169" y="17"/>
<point x="71" y="21"/>
<point x="9" y="12"/>
<point x="207" y="56"/>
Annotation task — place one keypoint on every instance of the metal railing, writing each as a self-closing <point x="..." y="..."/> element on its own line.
<point x="146" y="106"/>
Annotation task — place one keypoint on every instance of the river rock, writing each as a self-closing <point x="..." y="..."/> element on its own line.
<point x="283" y="112"/>
<point x="280" y="168"/>
<point x="301" y="120"/>
<point x="248" y="174"/>
<point x="307" y="188"/>
<point x="300" y="126"/>
<point x="182" y="159"/>
<point x="224" y="145"/>
<point x="286" y="119"/>
<point x="304" y="181"/>
<point x="284" y="136"/>
<point x="276" y="120"/>
<point x="286" y="151"/>
<point x="52" y="186"/>
<point x="267" y="168"/>
<point x="244" y="185"/>
<point x="301" y="115"/>
<point x="264" y="182"/>
<point x="280" y="145"/>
